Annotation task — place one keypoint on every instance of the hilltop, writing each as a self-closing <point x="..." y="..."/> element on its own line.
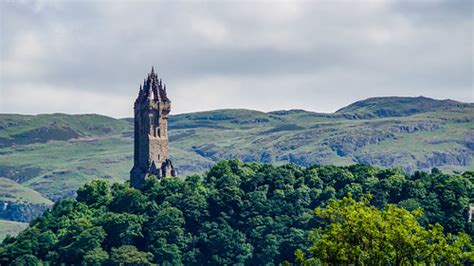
<point x="399" y="106"/>
<point x="54" y="154"/>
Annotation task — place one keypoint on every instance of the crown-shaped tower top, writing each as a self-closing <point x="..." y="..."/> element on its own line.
<point x="151" y="153"/>
<point x="153" y="89"/>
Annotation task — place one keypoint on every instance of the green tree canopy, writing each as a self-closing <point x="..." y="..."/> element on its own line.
<point x="129" y="255"/>
<point x="237" y="213"/>
<point x="358" y="233"/>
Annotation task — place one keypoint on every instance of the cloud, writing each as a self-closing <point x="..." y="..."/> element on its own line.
<point x="266" y="55"/>
<point x="26" y="98"/>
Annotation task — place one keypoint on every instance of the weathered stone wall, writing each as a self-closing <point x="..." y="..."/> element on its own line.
<point x="152" y="108"/>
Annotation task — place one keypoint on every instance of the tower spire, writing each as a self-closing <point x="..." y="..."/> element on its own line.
<point x="152" y="70"/>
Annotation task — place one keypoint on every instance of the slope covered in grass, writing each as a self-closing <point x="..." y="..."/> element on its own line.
<point x="20" y="203"/>
<point x="10" y="228"/>
<point x="56" y="154"/>
<point x="399" y="106"/>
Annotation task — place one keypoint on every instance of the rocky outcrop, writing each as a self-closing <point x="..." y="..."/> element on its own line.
<point x="436" y="159"/>
<point x="209" y="151"/>
<point x="415" y="127"/>
<point x="461" y="157"/>
<point x="347" y="144"/>
<point x="306" y="159"/>
<point x="21" y="211"/>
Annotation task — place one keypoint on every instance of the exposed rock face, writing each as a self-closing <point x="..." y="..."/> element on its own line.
<point x="416" y="127"/>
<point x="347" y="144"/>
<point x="436" y="159"/>
<point x="151" y="155"/>
<point x="21" y="211"/>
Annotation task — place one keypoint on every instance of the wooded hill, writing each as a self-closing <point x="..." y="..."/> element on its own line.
<point x="258" y="214"/>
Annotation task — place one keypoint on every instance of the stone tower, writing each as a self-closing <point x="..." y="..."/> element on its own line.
<point x="151" y="155"/>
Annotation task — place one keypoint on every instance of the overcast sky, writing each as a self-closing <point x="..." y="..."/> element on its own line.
<point x="91" y="56"/>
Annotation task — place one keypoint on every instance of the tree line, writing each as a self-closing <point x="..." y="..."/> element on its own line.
<point x="258" y="214"/>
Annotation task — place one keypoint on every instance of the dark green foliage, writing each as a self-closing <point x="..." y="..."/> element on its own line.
<point x="121" y="228"/>
<point x="94" y="194"/>
<point x="27" y="260"/>
<point x="238" y="213"/>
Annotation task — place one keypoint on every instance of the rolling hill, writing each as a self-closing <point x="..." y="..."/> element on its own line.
<point x="52" y="155"/>
<point x="10" y="228"/>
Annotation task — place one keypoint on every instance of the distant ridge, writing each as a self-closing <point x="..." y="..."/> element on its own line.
<point x="399" y="106"/>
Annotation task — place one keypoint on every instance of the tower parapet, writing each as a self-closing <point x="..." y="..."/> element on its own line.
<point x="151" y="110"/>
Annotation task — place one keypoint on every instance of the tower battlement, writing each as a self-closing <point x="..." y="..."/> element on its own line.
<point x="151" y="110"/>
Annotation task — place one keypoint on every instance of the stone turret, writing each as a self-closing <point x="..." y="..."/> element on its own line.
<point x="151" y="155"/>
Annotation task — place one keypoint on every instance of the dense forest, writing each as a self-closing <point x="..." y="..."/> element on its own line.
<point x="258" y="214"/>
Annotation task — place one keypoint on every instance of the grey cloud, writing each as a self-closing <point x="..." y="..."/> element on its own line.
<point x="329" y="53"/>
<point x="444" y="12"/>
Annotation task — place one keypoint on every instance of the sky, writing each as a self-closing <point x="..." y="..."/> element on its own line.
<point x="91" y="56"/>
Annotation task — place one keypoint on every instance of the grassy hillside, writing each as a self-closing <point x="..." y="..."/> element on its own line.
<point x="399" y="106"/>
<point x="20" y="203"/>
<point x="10" y="228"/>
<point x="10" y="191"/>
<point x="57" y="153"/>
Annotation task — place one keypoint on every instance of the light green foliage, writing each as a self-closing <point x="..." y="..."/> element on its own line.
<point x="96" y="256"/>
<point x="129" y="255"/>
<point x="358" y="233"/>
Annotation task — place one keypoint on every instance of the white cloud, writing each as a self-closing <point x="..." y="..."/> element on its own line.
<point x="35" y="98"/>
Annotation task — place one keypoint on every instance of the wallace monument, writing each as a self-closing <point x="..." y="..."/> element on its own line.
<point x="151" y="155"/>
